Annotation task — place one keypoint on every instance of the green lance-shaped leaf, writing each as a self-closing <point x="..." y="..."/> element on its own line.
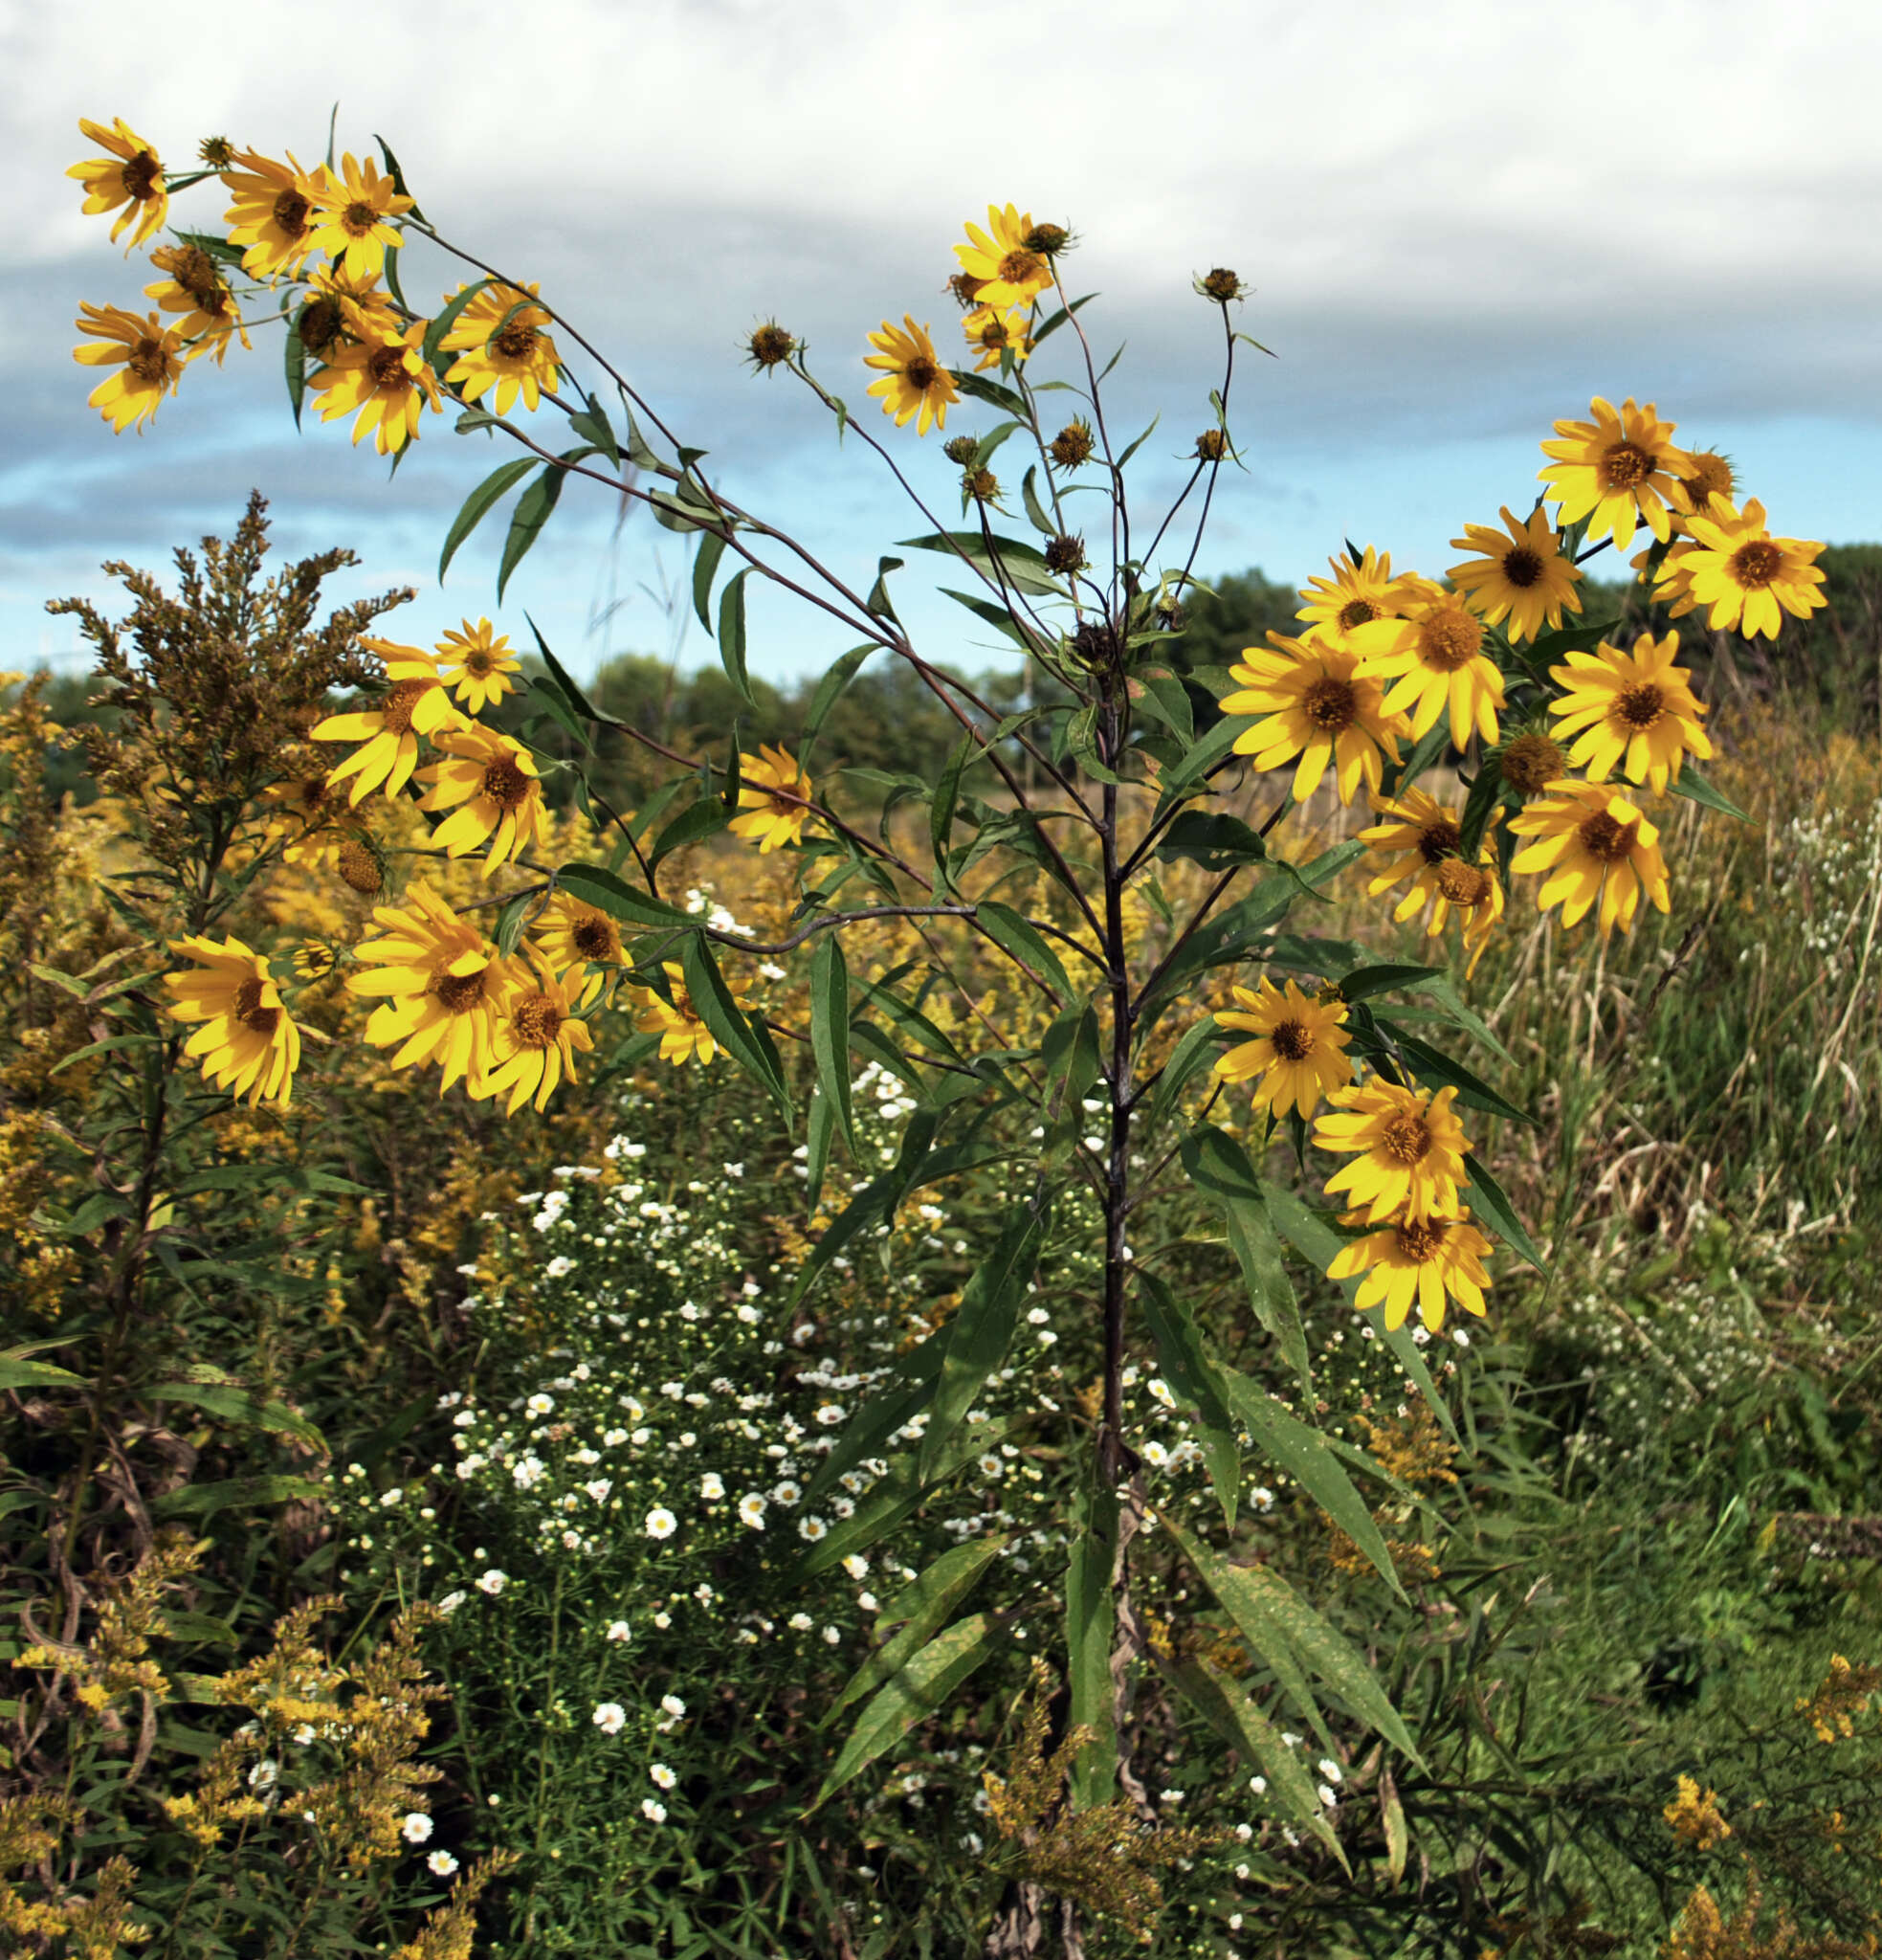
<point x="1435" y="1069"/>
<point x="1089" y="1627"/>
<point x="534" y="509"/>
<point x="948" y="793"/>
<point x="200" y="1500"/>
<point x="1695" y="788"/>
<point x="883" y="1415"/>
<point x="1214" y="841"/>
<point x="1184" y="1361"/>
<point x="919" y="1611"/>
<point x="698" y="821"/>
<point x="17" y="1372"/>
<point x="233" y="1403"/>
<point x="295" y="359"/>
<point x="819" y="1132"/>
<point x="1494" y="1210"/>
<point x="732" y="635"/>
<point x="705" y="569"/>
<point x="740" y="1035"/>
<point x="1009" y="562"/>
<point x="1071" y="1055"/>
<point x="1270" y="1614"/>
<point x="839" y="676"/>
<point x="1024" y="942"/>
<point x="1193" y="1052"/>
<point x="914" y="1694"/>
<point x="1219" y="1168"/>
<point x="602" y="889"/>
<point x="829" y="1032"/>
<point x="496" y="486"/>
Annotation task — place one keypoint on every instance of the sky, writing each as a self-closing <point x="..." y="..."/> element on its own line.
<point x="1459" y="222"/>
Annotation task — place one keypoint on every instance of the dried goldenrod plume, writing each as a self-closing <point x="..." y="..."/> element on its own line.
<point x="1694" y="1819"/>
<point x="1846" y="1692"/>
<point x="1703" y="1932"/>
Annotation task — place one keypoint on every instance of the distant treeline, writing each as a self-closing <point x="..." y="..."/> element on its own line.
<point x="1829" y="667"/>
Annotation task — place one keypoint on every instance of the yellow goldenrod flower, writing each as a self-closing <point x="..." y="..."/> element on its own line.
<point x="1615" y="471"/>
<point x="1708" y="475"/>
<point x="1355" y="594"/>
<point x="1593" y="844"/>
<point x="500" y="342"/>
<point x="352" y="207"/>
<point x="195" y="288"/>
<point x="1422" y="842"/>
<point x="273" y="213"/>
<point x="1748" y="579"/>
<point x="1434" y="658"/>
<point x="916" y="383"/>
<point x="131" y="175"/>
<point x="386" y="379"/>
<point x="1296" y="1050"/>
<point x="478" y="663"/>
<point x="247" y="1044"/>
<point x="1006" y="260"/>
<point x="682" y="1033"/>
<point x="489" y="783"/>
<point x="537" y="1035"/>
<point x="414" y="705"/>
<point x="572" y="936"/>
<point x="438" y="985"/>
<point x="992" y="333"/>
<point x="1522" y="578"/>
<point x="1634" y="711"/>
<point x="1423" y="1260"/>
<point x="774" y="793"/>
<point x="1409" y="1146"/>
<point x="1695" y="1819"/>
<point x="148" y="353"/>
<point x="1318" y="707"/>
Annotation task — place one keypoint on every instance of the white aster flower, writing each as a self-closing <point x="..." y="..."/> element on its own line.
<point x="415" y="1827"/>
<point x="661" y="1522"/>
<point x="493" y="1581"/>
<point x="442" y="1863"/>
<point x="609" y="1717"/>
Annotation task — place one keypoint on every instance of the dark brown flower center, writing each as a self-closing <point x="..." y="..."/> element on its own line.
<point x="388" y="369"/>
<point x="319" y="325"/>
<point x="479" y="661"/>
<point x="1449" y="639"/>
<point x="1755" y="564"/>
<point x="1463" y="884"/>
<point x="1529" y="763"/>
<point x="1359" y="612"/>
<point x="195" y="271"/>
<point x="291" y="211"/>
<point x="1604" y="839"/>
<point x="595" y="939"/>
<point x="964" y="287"/>
<point x="505" y="784"/>
<point x="536" y="1021"/>
<point x="921" y="373"/>
<point x="515" y="342"/>
<point x="1712" y="475"/>
<point x="358" y="218"/>
<point x="1406" y="1138"/>
<point x="1439" y="840"/>
<point x="139" y="176"/>
<point x="1641" y="706"/>
<point x="1293" y="1042"/>
<point x="994" y="333"/>
<point x="1419" y="1238"/>
<point x="1330" y="704"/>
<point x="1626" y="466"/>
<point x="251" y="1012"/>
<point x="1022" y="268"/>
<point x="1522" y="566"/>
<point x="149" y="362"/>
<point x="458" y="993"/>
<point x="396" y="710"/>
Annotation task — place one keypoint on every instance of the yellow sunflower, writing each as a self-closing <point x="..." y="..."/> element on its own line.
<point x="572" y="936"/>
<point x="131" y="175"/>
<point x="1708" y="475"/>
<point x="489" y="783"/>
<point x="1008" y="262"/>
<point x="1592" y="844"/>
<point x="536" y="1036"/>
<point x="916" y="383"/>
<point x="1316" y="707"/>
<point x="1422" y="1259"/>
<point x="1616" y="471"/>
<point x="273" y="213"/>
<point x="195" y="288"/>
<point x="478" y="663"/>
<point x="314" y="960"/>
<point x="774" y="795"/>
<point x="1522" y="578"/>
<point x="1634" y="711"/>
<point x="1355" y="594"/>
<point x="992" y="333"/>
<point x="414" y="705"/>
<point x="1408" y="1147"/>
<point x="148" y="352"/>
<point x="1297" y="1049"/>
<point x="500" y="342"/>
<point x="682" y="1033"/>
<point x="1746" y="578"/>
<point x="1422" y="842"/>
<point x="357" y="306"/>
<point x="247" y="1044"/>
<point x="438" y="983"/>
<point x="351" y="210"/>
<point x="386" y="379"/>
<point x="1434" y="658"/>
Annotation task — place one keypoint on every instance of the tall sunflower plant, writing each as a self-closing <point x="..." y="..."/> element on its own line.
<point x="1116" y="766"/>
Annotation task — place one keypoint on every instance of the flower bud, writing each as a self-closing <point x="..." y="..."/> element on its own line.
<point x="1065" y="554"/>
<point x="982" y="485"/>
<point x="1073" y="445"/>
<point x="1048" y="241"/>
<point x="216" y="151"/>
<point x="1529" y="763"/>
<point x="769" y="346"/>
<point x="1219" y="285"/>
<point x="1213" y="445"/>
<point x="961" y="449"/>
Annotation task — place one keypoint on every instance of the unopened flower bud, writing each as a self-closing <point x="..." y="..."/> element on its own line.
<point x="1219" y="285"/>
<point x="359" y="867"/>
<point x="1065" y="554"/>
<point x="965" y="288"/>
<point x="216" y="151"/>
<point x="961" y="449"/>
<point x="769" y="346"/>
<point x="1213" y="445"/>
<point x="1073" y="445"/>
<point x="1048" y="241"/>
<point x="982" y="485"/>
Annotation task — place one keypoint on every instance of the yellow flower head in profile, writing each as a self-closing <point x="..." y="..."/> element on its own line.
<point x="351" y="210"/>
<point x="146" y="354"/>
<point x="247" y="1044"/>
<point x="488" y="781"/>
<point x="305" y="811"/>
<point x="1424" y="841"/>
<point x="1297" y="1049"/>
<point x="414" y="705"/>
<point x="273" y="213"/>
<point x="1318" y="707"/>
<point x="131" y="176"/>
<point x="1635" y="712"/>
<point x="502" y="342"/>
<point x="1746" y="578"/>
<point x="1009" y="261"/>
<point x="1408" y="1149"/>
<point x="1522" y="578"/>
<point x="574" y="936"/>
<point x="1429" y="1260"/>
<point x="360" y="307"/>
<point x="1355" y="595"/>
<point x="1616" y="471"/>
<point x="387" y="379"/>
<point x="1708" y="475"/>
<point x="536" y="1039"/>
<point x="1592" y="844"/>
<point x="916" y="383"/>
<point x="194" y="286"/>
<point x="476" y="664"/>
<point x="683" y="1033"/>
<point x="314" y="960"/>
<point x="436" y="981"/>
<point x="1434" y="659"/>
<point x="774" y="799"/>
<point x="992" y="333"/>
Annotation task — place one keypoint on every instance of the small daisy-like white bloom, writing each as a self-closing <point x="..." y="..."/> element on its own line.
<point x="1245" y="1831"/>
<point x="609" y="1717"/>
<point x="1171" y="1797"/>
<point x="663" y="1777"/>
<point x="303" y="1736"/>
<point x="617" y="1630"/>
<point x="661" y="1522"/>
<point x="1154" y="1455"/>
<point x="991" y="1466"/>
<point x="663" y="1621"/>
<point x="598" y="1488"/>
<point x="539" y="1404"/>
<point x="265" y="1774"/>
<point x="1289" y="1737"/>
<point x="558" y="1267"/>
<point x="1330" y="1769"/>
<point x="1259" y="1785"/>
<point x="415" y="1827"/>
<point x="712" y="1487"/>
<point x="856" y="1566"/>
<point x="493" y="1581"/>
<point x="653" y="1811"/>
<point x="1325" y="1794"/>
<point x="786" y="1493"/>
<point x="751" y="1510"/>
<point x="831" y="1414"/>
<point x="800" y="1622"/>
<point x="451" y="1602"/>
<point x="812" y="1528"/>
<point x="831" y="1636"/>
<point x="674" y="1705"/>
<point x="869" y="1602"/>
<point x="442" y="1863"/>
